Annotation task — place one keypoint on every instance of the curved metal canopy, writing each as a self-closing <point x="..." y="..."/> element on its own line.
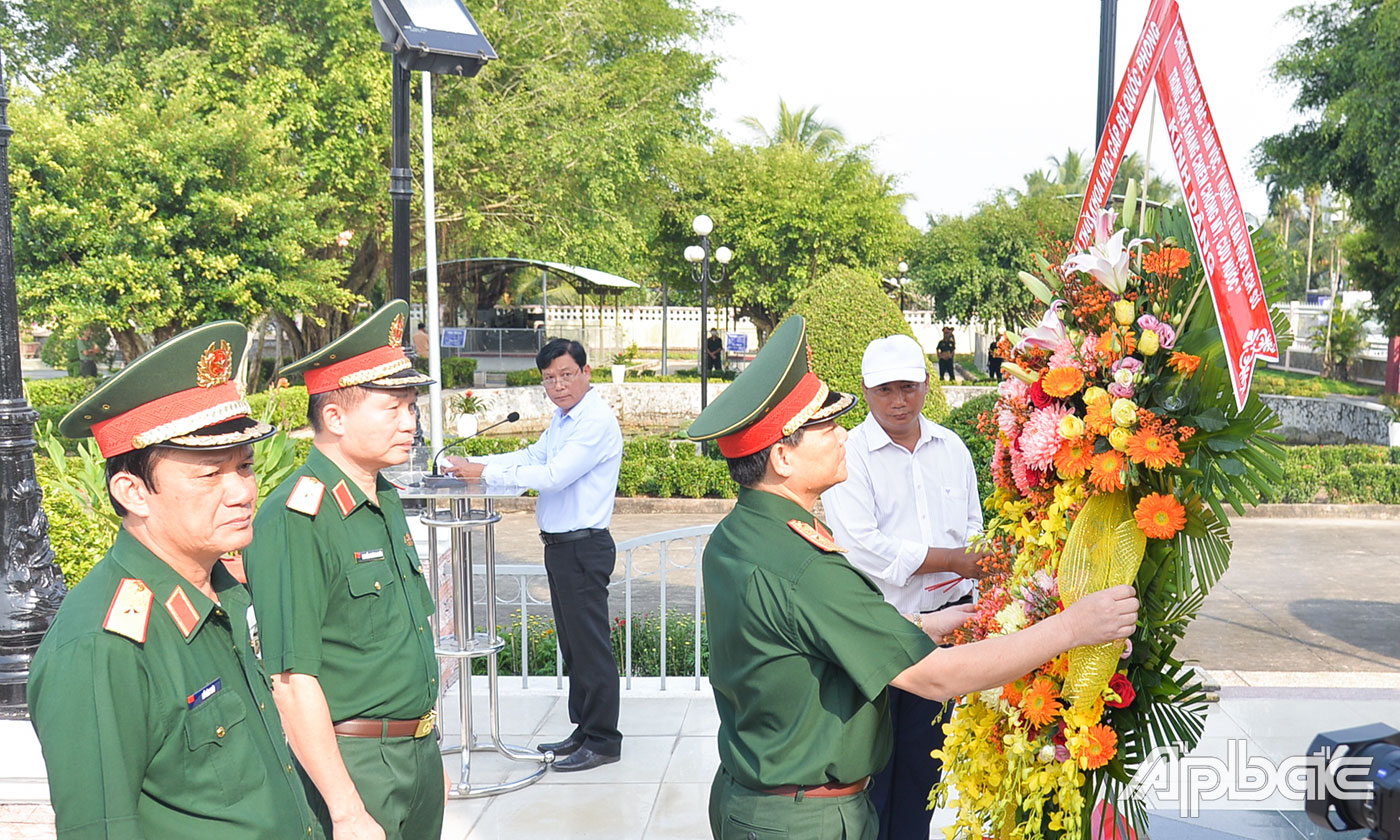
<point x="482" y="267"/>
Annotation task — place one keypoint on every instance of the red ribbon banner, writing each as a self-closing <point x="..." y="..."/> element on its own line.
<point x="1162" y="15"/>
<point x="1217" y="219"/>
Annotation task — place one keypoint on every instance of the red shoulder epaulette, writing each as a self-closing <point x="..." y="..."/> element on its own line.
<point x="816" y="536"/>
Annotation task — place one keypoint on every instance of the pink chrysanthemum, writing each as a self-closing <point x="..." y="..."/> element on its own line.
<point x="1025" y="477"/>
<point x="1012" y="388"/>
<point x="1040" y="438"/>
<point x="1065" y="356"/>
<point x="1007" y="421"/>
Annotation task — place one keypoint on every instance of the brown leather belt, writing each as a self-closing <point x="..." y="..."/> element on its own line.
<point x="828" y="789"/>
<point x="376" y="728"/>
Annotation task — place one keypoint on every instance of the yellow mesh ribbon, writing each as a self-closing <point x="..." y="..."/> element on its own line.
<point x="1104" y="549"/>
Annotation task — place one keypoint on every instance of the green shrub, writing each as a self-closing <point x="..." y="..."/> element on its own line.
<point x="1306" y="385"/>
<point x="846" y="310"/>
<point x="457" y="371"/>
<point x="522" y="378"/>
<point x="283" y="407"/>
<point x="64" y="390"/>
<point x="79" y="532"/>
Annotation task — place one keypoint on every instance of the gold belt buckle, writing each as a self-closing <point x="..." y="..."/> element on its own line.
<point x="426" y="724"/>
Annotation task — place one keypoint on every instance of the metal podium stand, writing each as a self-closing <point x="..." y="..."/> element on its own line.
<point x="463" y="520"/>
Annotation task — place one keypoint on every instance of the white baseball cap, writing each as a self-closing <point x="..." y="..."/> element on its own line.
<point x="895" y="358"/>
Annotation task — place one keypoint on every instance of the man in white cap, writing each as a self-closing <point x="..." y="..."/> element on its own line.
<point x="905" y="513"/>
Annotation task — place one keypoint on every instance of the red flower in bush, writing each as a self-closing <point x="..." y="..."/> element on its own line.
<point x="1124" y="689"/>
<point x="1038" y="396"/>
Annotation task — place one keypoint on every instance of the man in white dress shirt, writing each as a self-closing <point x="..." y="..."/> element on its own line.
<point x="905" y="514"/>
<point x="574" y="467"/>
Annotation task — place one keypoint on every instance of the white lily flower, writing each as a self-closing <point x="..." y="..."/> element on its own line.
<point x="1047" y="334"/>
<point x="1107" y="261"/>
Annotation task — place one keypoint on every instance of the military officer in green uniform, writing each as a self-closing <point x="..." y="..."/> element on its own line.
<point x="153" y="710"/>
<point x="344" y="605"/>
<point x="802" y="645"/>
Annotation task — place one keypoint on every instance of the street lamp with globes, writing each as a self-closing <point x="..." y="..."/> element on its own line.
<point x="702" y="225"/>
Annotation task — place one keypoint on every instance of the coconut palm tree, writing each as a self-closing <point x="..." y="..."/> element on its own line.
<point x="801" y="128"/>
<point x="1070" y="172"/>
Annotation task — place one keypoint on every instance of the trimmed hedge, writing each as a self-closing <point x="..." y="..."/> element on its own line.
<point x="64" y="390"/>
<point x="521" y="378"/>
<point x="289" y="410"/>
<point x="846" y="310"/>
<point x="646" y="645"/>
<point x="457" y="371"/>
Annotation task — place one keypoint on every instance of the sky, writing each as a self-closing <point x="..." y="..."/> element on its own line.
<point x="960" y="100"/>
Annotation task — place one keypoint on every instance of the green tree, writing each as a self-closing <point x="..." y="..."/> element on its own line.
<point x="558" y="150"/>
<point x="1346" y="68"/>
<point x="790" y="216"/>
<point x="969" y="265"/>
<point x="846" y="310"/>
<point x="800" y="128"/>
<point x="159" y="214"/>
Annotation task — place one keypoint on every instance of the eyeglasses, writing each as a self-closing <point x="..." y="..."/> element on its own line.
<point x="566" y="378"/>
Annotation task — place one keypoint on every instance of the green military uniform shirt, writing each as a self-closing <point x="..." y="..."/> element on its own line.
<point x="802" y="646"/>
<point x="173" y="736"/>
<point x="341" y="594"/>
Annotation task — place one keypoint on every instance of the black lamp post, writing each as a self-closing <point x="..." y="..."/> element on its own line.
<point x="701" y="254"/>
<point x="903" y="269"/>
<point x="31" y="586"/>
<point x="1108" y="32"/>
<point x="434" y="36"/>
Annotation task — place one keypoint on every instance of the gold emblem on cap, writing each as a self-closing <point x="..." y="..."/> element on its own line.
<point x="396" y="331"/>
<point x="215" y="365"/>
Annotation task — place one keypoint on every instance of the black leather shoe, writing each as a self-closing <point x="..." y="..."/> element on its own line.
<point x="584" y="759"/>
<point x="568" y="746"/>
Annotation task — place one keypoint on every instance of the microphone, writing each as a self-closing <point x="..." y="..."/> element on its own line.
<point x="510" y="418"/>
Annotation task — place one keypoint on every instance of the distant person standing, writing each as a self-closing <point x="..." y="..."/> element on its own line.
<point x="714" y="352"/>
<point x="420" y="341"/>
<point x="89" y="351"/>
<point x="946" y="348"/>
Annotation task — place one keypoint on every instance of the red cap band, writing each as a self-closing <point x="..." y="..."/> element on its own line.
<point x="116" y="435"/>
<point x="769" y="429"/>
<point x="321" y="380"/>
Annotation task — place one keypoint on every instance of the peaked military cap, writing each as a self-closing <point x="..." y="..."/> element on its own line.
<point x="775" y="396"/>
<point x="370" y="355"/>
<point x="182" y="393"/>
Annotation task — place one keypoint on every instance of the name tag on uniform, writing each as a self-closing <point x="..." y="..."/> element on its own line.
<point x="204" y="693"/>
<point x="366" y="556"/>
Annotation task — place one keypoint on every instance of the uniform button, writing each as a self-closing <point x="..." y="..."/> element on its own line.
<point x="289" y="768"/>
<point x="420" y="628"/>
<point x="220" y="732"/>
<point x="262" y="708"/>
<point x="377" y="587"/>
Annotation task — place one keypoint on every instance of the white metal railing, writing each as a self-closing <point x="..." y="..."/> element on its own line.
<point x="652" y="560"/>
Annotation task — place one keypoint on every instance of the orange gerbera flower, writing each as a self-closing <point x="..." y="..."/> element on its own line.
<point x="1107" y="472"/>
<point x="1183" y="363"/>
<point x="1058" y="667"/>
<point x="1074" y="457"/>
<point x="1062" y="381"/>
<point x="1039" y="704"/>
<point x="1013" y="691"/>
<point x="1160" y="516"/>
<point x="1099" y="747"/>
<point x="1099" y="416"/>
<point x="1169" y="261"/>
<point x="1152" y="446"/>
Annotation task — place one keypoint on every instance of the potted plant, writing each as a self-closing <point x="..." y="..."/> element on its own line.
<point x="464" y="408"/>
<point x="621" y="360"/>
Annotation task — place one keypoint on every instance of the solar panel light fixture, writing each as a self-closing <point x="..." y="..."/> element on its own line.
<point x="436" y="36"/>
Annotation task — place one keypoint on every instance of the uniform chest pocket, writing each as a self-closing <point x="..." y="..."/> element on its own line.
<point x="373" y="596"/>
<point x="221" y="742"/>
<point x="954" y="500"/>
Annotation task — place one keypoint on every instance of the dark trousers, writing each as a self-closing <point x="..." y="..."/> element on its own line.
<point x="900" y="791"/>
<point x="945" y="370"/>
<point x="578" y="589"/>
